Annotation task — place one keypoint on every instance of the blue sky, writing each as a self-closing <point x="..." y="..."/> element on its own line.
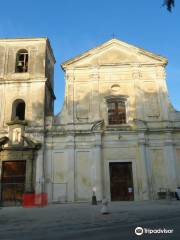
<point x="74" y="26"/>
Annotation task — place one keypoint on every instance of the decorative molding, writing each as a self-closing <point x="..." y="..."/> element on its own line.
<point x="3" y="141"/>
<point x="98" y="125"/>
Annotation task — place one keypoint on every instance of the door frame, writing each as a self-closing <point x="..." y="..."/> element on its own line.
<point x="2" y="170"/>
<point x="107" y="177"/>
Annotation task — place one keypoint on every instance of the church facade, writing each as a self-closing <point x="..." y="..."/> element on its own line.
<point x="117" y="135"/>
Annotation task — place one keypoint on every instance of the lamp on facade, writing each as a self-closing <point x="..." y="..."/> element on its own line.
<point x="20" y="64"/>
<point x="94" y="200"/>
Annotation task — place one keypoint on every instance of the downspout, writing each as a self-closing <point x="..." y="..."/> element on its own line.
<point x="74" y="143"/>
<point x="44" y="142"/>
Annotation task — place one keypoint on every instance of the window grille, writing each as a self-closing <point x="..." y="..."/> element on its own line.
<point x="116" y="111"/>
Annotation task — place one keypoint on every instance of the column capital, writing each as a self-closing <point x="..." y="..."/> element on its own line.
<point x="97" y="145"/>
<point x="142" y="142"/>
<point x="169" y="142"/>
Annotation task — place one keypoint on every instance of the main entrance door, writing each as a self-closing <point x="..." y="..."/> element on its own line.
<point x="121" y="181"/>
<point x="13" y="180"/>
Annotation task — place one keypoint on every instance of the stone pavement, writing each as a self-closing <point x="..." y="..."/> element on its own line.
<point x="80" y="220"/>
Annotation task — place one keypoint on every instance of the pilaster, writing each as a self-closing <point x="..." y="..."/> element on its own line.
<point x="94" y="77"/>
<point x="143" y="168"/>
<point x="98" y="167"/>
<point x="70" y="155"/>
<point x="169" y="155"/>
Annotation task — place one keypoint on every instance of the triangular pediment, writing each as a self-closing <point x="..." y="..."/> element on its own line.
<point x="114" y="52"/>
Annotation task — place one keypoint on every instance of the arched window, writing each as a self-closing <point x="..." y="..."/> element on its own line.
<point x="116" y="110"/>
<point x="18" y="110"/>
<point x="22" y="61"/>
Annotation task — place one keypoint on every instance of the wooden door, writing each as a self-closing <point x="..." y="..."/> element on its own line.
<point x="121" y="181"/>
<point x="13" y="180"/>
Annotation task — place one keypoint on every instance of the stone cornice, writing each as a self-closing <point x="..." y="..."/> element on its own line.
<point x="114" y="42"/>
<point x="24" y="80"/>
<point x="103" y="66"/>
<point x="4" y="40"/>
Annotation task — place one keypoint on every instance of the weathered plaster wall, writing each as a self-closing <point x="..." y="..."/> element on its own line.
<point x="117" y="69"/>
<point x="178" y="164"/>
<point x="30" y="87"/>
<point x="79" y="143"/>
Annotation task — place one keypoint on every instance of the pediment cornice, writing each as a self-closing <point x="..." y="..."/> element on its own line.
<point x="113" y="53"/>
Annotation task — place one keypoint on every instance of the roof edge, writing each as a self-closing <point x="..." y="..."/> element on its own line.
<point x="23" y="39"/>
<point x="113" y="40"/>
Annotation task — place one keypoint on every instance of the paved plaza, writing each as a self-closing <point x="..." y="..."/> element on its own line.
<point x="84" y="221"/>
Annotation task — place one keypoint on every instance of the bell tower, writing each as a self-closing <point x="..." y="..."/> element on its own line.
<point x="27" y="98"/>
<point x="26" y="80"/>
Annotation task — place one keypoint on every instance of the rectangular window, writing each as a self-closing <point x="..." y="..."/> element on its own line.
<point x="116" y="111"/>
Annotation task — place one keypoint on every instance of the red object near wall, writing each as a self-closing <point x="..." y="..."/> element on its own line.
<point x="34" y="200"/>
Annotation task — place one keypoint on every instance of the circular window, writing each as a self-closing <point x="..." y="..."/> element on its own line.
<point x="115" y="88"/>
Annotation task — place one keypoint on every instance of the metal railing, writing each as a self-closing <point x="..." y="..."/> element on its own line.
<point x="11" y="193"/>
<point x="165" y="193"/>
